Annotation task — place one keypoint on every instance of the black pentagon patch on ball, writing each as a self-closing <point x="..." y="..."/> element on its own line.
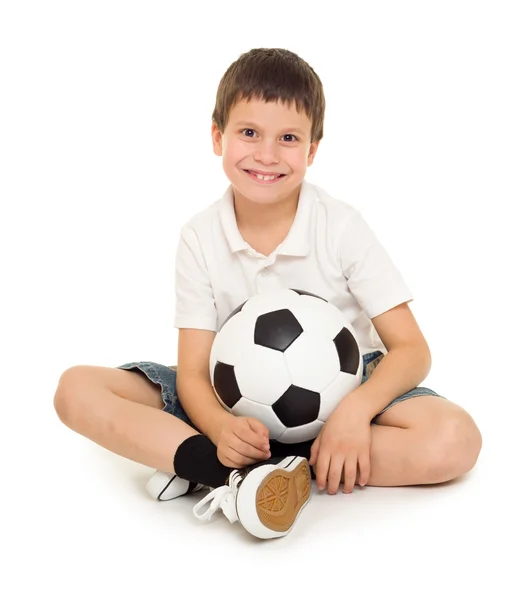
<point x="303" y="293"/>
<point x="234" y="312"/>
<point x="226" y="385"/>
<point x="348" y="351"/>
<point x="297" y="406"/>
<point x="277" y="329"/>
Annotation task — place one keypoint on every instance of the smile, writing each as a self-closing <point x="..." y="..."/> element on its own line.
<point x="264" y="179"/>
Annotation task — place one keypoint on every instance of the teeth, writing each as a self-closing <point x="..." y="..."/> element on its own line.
<point x="265" y="177"/>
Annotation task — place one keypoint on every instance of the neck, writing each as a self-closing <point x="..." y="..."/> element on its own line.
<point x="259" y="218"/>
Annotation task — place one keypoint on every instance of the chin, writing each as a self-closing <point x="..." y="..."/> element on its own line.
<point x="260" y="199"/>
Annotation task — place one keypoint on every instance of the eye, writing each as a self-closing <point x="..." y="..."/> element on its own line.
<point x="286" y="135"/>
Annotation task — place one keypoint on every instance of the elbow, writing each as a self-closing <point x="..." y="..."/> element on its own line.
<point x="427" y="360"/>
<point x="420" y="355"/>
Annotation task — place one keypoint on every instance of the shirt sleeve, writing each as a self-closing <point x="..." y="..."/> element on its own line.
<point x="371" y="275"/>
<point x="195" y="305"/>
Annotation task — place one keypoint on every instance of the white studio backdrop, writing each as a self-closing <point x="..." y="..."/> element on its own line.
<point x="105" y="152"/>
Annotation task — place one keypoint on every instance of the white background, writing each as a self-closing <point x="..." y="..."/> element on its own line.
<point x="105" y="151"/>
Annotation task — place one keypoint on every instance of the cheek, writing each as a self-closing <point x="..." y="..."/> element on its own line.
<point x="233" y="153"/>
<point x="298" y="156"/>
<point x="297" y="161"/>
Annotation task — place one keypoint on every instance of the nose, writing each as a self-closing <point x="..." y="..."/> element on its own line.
<point x="267" y="153"/>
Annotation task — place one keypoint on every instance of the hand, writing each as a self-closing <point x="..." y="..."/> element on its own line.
<point x="242" y="441"/>
<point x="342" y="449"/>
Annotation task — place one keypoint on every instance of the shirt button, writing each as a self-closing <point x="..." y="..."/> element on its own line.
<point x="264" y="271"/>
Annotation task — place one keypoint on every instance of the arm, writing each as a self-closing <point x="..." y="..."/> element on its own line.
<point x="377" y="285"/>
<point x="239" y="441"/>
<point x="193" y="382"/>
<point x="343" y="445"/>
<point x="405" y="365"/>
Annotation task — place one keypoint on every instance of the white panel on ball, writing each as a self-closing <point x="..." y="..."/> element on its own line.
<point x="264" y="303"/>
<point x="265" y="414"/>
<point x="302" y="433"/>
<point x="337" y="390"/>
<point x="232" y="339"/>
<point x="312" y="361"/>
<point x="316" y="315"/>
<point x="262" y="374"/>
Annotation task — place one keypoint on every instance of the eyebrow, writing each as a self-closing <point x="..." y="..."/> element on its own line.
<point x="254" y="126"/>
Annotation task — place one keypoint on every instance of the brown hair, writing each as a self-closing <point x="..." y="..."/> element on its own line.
<point x="272" y="74"/>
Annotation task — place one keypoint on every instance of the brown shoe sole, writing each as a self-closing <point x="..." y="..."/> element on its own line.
<point x="282" y="494"/>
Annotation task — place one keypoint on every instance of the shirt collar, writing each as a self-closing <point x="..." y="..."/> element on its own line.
<point x="297" y="241"/>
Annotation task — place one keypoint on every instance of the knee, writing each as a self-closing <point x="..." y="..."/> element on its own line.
<point x="68" y="399"/>
<point x="454" y="448"/>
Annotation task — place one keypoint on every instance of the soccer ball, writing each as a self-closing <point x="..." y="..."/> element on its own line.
<point x="286" y="358"/>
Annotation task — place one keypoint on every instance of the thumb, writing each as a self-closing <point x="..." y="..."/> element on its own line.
<point x="258" y="427"/>
<point x="314" y="451"/>
<point x="314" y="454"/>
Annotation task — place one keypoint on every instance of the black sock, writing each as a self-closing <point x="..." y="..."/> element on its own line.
<point x="196" y="460"/>
<point x="298" y="449"/>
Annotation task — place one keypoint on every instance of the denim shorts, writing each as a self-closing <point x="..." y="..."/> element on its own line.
<point x="165" y="378"/>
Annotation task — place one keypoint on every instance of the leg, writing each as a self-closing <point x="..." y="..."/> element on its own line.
<point x="425" y="439"/>
<point x="121" y="411"/>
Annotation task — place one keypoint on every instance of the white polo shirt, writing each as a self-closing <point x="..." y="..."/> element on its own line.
<point x="329" y="251"/>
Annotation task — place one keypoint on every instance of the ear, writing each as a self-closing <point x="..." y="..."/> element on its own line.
<point x="312" y="153"/>
<point x="216" y="135"/>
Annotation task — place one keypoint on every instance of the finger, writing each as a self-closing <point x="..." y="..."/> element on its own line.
<point x="258" y="427"/>
<point x="322" y="468"/>
<point x="248" y="450"/>
<point x="227" y="461"/>
<point x="349" y="474"/>
<point x="334" y="475"/>
<point x="237" y="460"/>
<point x="364" y="468"/>
<point x="314" y="451"/>
<point x="252" y="437"/>
<point x="314" y="454"/>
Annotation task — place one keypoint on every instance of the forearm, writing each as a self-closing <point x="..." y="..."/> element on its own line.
<point x="201" y="404"/>
<point x="401" y="369"/>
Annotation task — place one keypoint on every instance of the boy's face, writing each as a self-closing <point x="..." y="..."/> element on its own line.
<point x="267" y="137"/>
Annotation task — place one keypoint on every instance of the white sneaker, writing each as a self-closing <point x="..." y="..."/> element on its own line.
<point x="168" y="486"/>
<point x="265" y="499"/>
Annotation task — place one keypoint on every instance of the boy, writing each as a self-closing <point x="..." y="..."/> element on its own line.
<point x="271" y="230"/>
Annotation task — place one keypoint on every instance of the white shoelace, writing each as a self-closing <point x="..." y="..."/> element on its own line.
<point x="223" y="497"/>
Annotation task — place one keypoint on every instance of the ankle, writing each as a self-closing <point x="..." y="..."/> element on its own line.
<point x="196" y="460"/>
